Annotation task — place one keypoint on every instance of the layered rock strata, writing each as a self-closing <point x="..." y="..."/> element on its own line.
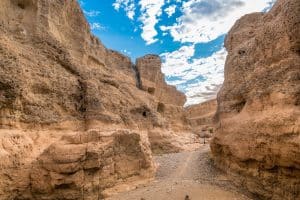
<point x="176" y="135"/>
<point x="257" y="139"/>
<point x="200" y="118"/>
<point x="73" y="122"/>
<point x="201" y="115"/>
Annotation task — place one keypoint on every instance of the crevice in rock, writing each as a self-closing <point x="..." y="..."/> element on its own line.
<point x="65" y="186"/>
<point x="137" y="76"/>
<point x="161" y="108"/>
<point x="144" y="114"/>
<point x="151" y="90"/>
<point x="242" y="52"/>
<point x="83" y="91"/>
<point x="22" y="4"/>
<point x="82" y="101"/>
<point x="239" y="106"/>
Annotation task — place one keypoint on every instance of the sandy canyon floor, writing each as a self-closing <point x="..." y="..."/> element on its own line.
<point x="187" y="173"/>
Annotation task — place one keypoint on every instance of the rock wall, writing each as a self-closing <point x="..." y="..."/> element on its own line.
<point x="169" y="100"/>
<point x="71" y="165"/>
<point x="153" y="81"/>
<point x="169" y="103"/>
<point x="257" y="139"/>
<point x="72" y="121"/>
<point x="201" y="115"/>
<point x="200" y="118"/>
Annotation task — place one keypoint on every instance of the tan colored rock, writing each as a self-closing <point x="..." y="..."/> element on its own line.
<point x="73" y="165"/>
<point x="153" y="81"/>
<point x="118" y="61"/>
<point x="201" y="115"/>
<point x="167" y="141"/>
<point x="57" y="83"/>
<point x="169" y="101"/>
<point x="84" y="165"/>
<point x="258" y="130"/>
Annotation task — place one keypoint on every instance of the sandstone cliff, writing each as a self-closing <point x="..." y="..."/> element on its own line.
<point x="258" y="119"/>
<point x="200" y="118"/>
<point x="169" y="102"/>
<point x="201" y="115"/>
<point x="153" y="81"/>
<point x="73" y="121"/>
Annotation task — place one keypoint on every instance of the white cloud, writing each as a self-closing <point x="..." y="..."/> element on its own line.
<point x="96" y="26"/>
<point x="127" y="5"/>
<point x="205" y="20"/>
<point x="150" y="10"/>
<point x="170" y="10"/>
<point x="200" y="78"/>
<point x="202" y="21"/>
<point x="92" y="13"/>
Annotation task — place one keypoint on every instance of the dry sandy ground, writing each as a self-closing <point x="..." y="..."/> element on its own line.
<point x="187" y="173"/>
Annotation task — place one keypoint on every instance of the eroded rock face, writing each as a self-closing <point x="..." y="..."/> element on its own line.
<point x="72" y="165"/>
<point x="85" y="164"/>
<point x="153" y="81"/>
<point x="201" y="115"/>
<point x="169" y="104"/>
<point x="258" y="128"/>
<point x="60" y="86"/>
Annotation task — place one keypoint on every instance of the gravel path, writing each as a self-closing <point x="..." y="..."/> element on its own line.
<point x="187" y="173"/>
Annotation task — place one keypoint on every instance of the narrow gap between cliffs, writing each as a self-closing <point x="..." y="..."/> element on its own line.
<point x="137" y="76"/>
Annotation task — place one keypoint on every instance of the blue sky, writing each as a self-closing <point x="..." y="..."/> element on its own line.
<point x="187" y="34"/>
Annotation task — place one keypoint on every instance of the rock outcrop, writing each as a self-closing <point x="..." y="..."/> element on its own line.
<point x="257" y="138"/>
<point x="73" y="165"/>
<point x="201" y="115"/>
<point x="200" y="119"/>
<point x="169" y="104"/>
<point x="153" y="81"/>
<point x="73" y="122"/>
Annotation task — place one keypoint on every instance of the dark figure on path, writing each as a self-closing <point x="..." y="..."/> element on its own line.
<point x="187" y="197"/>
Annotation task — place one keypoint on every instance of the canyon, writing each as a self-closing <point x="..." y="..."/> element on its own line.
<point x="77" y="118"/>
<point x="80" y="121"/>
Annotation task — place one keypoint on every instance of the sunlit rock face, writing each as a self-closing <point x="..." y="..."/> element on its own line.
<point x="153" y="80"/>
<point x="201" y="115"/>
<point x="169" y="103"/>
<point x="258" y="117"/>
<point x="73" y="122"/>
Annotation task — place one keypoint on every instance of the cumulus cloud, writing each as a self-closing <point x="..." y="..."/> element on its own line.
<point x="200" y="78"/>
<point x="205" y="20"/>
<point x="170" y="10"/>
<point x="202" y="21"/>
<point x="127" y="5"/>
<point x="150" y="10"/>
